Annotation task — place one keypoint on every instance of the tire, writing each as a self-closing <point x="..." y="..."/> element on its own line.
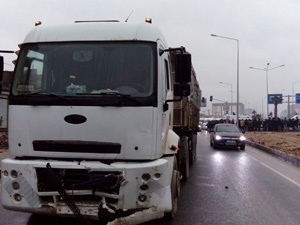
<point x="214" y="145"/>
<point x="175" y="191"/>
<point x="185" y="159"/>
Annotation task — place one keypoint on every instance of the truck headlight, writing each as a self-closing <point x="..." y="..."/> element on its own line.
<point x="14" y="173"/>
<point x="142" y="198"/>
<point x="157" y="175"/>
<point x="15" y="185"/>
<point x="17" y="197"/>
<point x="146" y="176"/>
<point x="144" y="187"/>
<point x="5" y="173"/>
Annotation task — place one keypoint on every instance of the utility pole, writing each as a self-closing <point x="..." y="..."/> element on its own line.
<point x="289" y="113"/>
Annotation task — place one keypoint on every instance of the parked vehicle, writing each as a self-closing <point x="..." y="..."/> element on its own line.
<point x="296" y="117"/>
<point x="103" y="121"/>
<point x="200" y="127"/>
<point x="227" y="136"/>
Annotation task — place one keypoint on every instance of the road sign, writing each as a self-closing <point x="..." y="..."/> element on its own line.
<point x="270" y="97"/>
<point x="298" y="98"/>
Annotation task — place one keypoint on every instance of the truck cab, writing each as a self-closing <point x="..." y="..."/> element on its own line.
<point x="88" y="119"/>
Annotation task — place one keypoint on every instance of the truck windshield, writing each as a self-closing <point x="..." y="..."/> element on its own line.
<point x="86" y="68"/>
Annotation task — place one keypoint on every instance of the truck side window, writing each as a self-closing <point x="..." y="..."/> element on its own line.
<point x="32" y="72"/>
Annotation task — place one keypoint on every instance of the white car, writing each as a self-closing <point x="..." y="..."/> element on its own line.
<point x="296" y="117"/>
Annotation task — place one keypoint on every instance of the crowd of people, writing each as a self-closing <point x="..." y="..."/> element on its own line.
<point x="271" y="124"/>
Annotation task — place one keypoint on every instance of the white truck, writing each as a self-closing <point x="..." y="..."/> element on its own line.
<point x="103" y="118"/>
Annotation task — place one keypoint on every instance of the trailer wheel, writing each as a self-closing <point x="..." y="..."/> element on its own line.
<point x="185" y="159"/>
<point x="175" y="191"/>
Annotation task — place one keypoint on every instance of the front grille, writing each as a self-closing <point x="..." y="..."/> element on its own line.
<point x="230" y="138"/>
<point x="79" y="179"/>
<point x="76" y="146"/>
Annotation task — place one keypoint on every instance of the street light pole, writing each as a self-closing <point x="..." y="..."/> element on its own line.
<point x="267" y="70"/>
<point x="293" y="94"/>
<point x="267" y="82"/>
<point x="237" y="73"/>
<point x="231" y="94"/>
<point x="293" y="98"/>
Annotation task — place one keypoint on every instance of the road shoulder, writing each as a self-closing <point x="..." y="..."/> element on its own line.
<point x="294" y="160"/>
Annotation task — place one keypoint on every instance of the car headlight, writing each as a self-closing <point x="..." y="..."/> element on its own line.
<point x="242" y="138"/>
<point x="218" y="137"/>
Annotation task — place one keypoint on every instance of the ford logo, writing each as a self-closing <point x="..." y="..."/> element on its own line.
<point x="75" y="119"/>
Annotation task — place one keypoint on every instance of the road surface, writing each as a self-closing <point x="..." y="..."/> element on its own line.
<point x="225" y="187"/>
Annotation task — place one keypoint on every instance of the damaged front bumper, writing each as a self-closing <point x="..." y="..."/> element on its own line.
<point x="119" y="191"/>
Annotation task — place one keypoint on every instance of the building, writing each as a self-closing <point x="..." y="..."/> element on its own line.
<point x="6" y="84"/>
<point x="221" y="109"/>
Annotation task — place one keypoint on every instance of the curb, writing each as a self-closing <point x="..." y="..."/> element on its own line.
<point x="294" y="160"/>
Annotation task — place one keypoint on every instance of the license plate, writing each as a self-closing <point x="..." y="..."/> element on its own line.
<point x="230" y="142"/>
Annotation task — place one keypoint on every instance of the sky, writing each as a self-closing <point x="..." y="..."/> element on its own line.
<point x="267" y="32"/>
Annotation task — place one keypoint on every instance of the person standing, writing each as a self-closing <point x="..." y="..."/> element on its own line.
<point x="242" y="125"/>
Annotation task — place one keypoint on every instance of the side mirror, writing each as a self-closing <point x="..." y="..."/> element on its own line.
<point x="183" y="68"/>
<point x="182" y="90"/>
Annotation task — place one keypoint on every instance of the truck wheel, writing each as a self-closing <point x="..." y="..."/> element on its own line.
<point x="185" y="163"/>
<point x="175" y="191"/>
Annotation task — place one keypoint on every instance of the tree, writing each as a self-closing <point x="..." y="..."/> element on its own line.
<point x="276" y="99"/>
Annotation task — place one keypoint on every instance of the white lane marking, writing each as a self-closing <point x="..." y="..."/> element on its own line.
<point x="282" y="175"/>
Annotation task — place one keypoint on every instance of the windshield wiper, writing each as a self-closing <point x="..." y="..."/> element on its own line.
<point x="45" y="93"/>
<point x="111" y="93"/>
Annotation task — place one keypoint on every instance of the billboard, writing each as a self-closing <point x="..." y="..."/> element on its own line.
<point x="271" y="96"/>
<point x="297" y="98"/>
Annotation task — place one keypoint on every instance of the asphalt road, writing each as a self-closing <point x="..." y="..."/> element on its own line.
<point x="226" y="187"/>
